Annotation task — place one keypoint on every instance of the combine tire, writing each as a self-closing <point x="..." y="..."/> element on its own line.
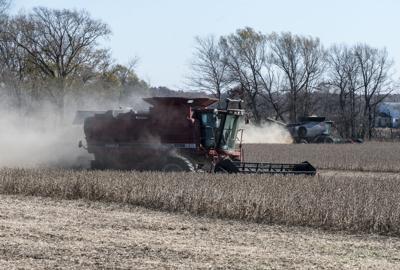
<point x="324" y="139"/>
<point x="302" y="132"/>
<point x="328" y="140"/>
<point x="305" y="167"/>
<point x="226" y="165"/>
<point x="177" y="163"/>
<point x="96" y="165"/>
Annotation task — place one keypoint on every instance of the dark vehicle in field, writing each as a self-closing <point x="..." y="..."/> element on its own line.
<point x="311" y="129"/>
<point x="175" y="134"/>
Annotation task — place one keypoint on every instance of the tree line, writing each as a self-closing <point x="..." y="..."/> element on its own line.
<point x="284" y="76"/>
<point x="56" y="55"/>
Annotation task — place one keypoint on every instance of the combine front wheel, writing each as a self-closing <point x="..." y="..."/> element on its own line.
<point x="302" y="132"/>
<point x="328" y="139"/>
<point x="226" y="166"/>
<point x="177" y="163"/>
<point x="324" y="139"/>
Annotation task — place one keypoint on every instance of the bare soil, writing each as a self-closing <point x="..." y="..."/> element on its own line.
<point x="44" y="233"/>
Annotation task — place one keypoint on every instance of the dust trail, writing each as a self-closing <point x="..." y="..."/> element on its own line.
<point x="39" y="139"/>
<point x="33" y="142"/>
<point x="266" y="133"/>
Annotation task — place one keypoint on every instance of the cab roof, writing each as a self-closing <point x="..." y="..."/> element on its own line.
<point x="193" y="102"/>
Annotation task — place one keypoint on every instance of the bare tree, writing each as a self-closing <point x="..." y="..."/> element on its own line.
<point x="129" y="84"/>
<point x="272" y="83"/>
<point x="375" y="75"/>
<point x="208" y="67"/>
<point x="13" y="71"/>
<point x="244" y="54"/>
<point x="301" y="59"/>
<point x="343" y="76"/>
<point x="4" y="6"/>
<point x="59" y="43"/>
<point x="362" y="76"/>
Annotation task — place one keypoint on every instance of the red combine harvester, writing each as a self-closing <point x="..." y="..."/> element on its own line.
<point x="176" y="134"/>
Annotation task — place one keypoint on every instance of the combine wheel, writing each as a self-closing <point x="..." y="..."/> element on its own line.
<point x="96" y="165"/>
<point x="177" y="163"/>
<point x="226" y="165"/>
<point x="302" y="132"/>
<point x="324" y="139"/>
<point x="328" y="139"/>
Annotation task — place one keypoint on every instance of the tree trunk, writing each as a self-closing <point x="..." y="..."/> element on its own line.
<point x="60" y="99"/>
<point x="370" y="122"/>
<point x="292" y="107"/>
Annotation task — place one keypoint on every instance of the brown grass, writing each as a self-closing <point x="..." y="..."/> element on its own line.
<point x="369" y="156"/>
<point x="365" y="202"/>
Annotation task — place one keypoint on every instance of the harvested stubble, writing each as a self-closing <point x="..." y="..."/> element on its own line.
<point x="369" y="156"/>
<point x="355" y="203"/>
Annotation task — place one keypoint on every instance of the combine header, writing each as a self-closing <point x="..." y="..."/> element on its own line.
<point x="176" y="134"/>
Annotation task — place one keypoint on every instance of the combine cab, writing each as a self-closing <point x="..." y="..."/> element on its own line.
<point x="176" y="134"/>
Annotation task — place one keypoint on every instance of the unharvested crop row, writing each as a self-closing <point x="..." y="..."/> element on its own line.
<point x="363" y="203"/>
<point x="370" y="156"/>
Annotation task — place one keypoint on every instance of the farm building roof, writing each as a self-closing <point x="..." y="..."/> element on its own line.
<point x="391" y="109"/>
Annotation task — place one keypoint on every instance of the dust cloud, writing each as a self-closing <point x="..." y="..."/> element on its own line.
<point x="266" y="133"/>
<point x="40" y="139"/>
<point x="27" y="141"/>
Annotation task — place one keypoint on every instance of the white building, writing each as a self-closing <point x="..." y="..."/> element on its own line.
<point x="388" y="115"/>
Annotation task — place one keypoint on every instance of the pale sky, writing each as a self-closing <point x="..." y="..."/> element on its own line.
<point x="161" y="32"/>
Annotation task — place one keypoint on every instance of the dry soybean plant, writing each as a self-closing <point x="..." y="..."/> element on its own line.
<point x="370" y="156"/>
<point x="360" y="204"/>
